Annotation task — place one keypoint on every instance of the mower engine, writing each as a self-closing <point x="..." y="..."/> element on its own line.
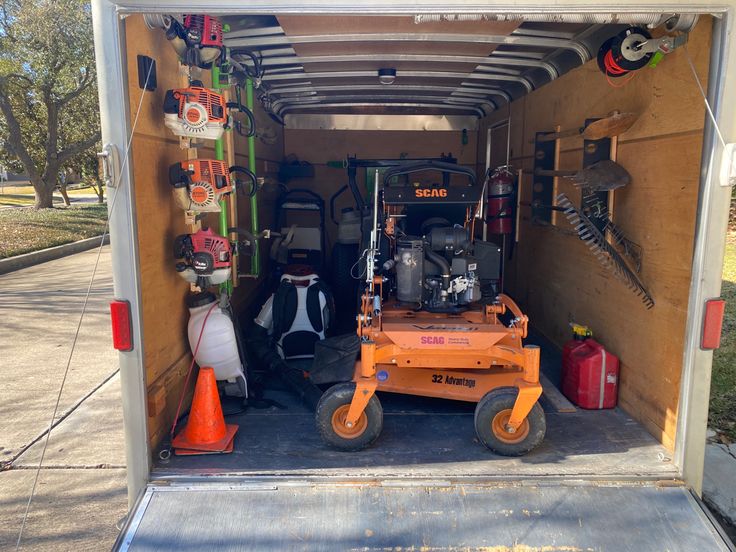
<point x="436" y="271"/>
<point x="434" y="264"/>
<point x="200" y="183"/>
<point x="207" y="258"/>
<point x="195" y="112"/>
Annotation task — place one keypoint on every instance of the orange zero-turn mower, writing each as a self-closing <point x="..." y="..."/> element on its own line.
<point x="431" y="323"/>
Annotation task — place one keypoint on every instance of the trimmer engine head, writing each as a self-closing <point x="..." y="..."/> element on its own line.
<point x="198" y="40"/>
<point x="207" y="257"/>
<point x="195" y="112"/>
<point x="200" y="183"/>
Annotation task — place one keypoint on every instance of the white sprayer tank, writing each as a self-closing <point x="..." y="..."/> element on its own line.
<point x="218" y="347"/>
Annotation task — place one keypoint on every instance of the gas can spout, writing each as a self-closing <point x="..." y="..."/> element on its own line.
<point x="580" y="332"/>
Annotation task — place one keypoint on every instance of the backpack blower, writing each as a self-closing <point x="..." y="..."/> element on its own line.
<point x="198" y="112"/>
<point x="199" y="184"/>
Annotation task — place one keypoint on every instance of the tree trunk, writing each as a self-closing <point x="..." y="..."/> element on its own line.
<point x="64" y="195"/>
<point x="44" y="195"/>
<point x="45" y="186"/>
<point x="99" y="190"/>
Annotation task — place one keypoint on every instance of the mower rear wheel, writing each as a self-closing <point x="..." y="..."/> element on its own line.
<point x="332" y="412"/>
<point x="492" y="415"/>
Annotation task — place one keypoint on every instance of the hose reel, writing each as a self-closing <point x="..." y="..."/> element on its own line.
<point x="634" y="48"/>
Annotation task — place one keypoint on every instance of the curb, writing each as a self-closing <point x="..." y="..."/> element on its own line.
<point x="12" y="264"/>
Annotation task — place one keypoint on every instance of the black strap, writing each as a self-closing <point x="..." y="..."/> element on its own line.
<point x="314" y="309"/>
<point x="285" y="303"/>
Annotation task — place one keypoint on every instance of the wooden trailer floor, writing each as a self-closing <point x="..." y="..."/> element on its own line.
<point x="432" y="438"/>
<point x="425" y="437"/>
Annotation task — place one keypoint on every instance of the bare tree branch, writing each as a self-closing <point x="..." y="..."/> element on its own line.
<point x="86" y="82"/>
<point x="76" y="149"/>
<point x="20" y="77"/>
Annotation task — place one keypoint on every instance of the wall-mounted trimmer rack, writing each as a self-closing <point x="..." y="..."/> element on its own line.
<point x="211" y="115"/>
<point x="195" y="113"/>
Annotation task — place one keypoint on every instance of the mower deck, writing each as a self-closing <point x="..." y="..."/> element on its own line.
<point x="452" y="356"/>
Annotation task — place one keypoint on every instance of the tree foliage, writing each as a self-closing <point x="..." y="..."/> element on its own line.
<point x="48" y="95"/>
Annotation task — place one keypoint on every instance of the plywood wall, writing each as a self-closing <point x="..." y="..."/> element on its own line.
<point x="553" y="273"/>
<point x="320" y="146"/>
<point x="160" y="220"/>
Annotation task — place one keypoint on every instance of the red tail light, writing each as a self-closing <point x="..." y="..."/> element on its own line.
<point x="712" y="324"/>
<point x="122" y="330"/>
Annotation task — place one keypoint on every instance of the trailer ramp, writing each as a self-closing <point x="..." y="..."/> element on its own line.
<point x="419" y="515"/>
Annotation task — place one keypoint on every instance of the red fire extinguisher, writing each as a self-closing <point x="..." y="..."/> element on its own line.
<point x="501" y="204"/>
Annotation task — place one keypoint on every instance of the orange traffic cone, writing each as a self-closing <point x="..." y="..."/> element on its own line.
<point x="206" y="431"/>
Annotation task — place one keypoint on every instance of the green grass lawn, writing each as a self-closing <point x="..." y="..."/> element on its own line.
<point x="26" y="230"/>
<point x="723" y="386"/>
<point x="23" y="195"/>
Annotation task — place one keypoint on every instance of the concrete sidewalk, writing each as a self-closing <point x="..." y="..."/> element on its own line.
<point x="81" y="492"/>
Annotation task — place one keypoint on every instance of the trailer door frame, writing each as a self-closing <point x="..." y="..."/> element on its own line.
<point x="712" y="215"/>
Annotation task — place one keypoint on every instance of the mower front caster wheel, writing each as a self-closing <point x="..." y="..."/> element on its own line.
<point x="331" y="415"/>
<point x="492" y="415"/>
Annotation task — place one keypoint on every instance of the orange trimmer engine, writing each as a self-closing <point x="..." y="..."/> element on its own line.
<point x="206" y="258"/>
<point x="195" y="112"/>
<point x="429" y="324"/>
<point x="199" y="184"/>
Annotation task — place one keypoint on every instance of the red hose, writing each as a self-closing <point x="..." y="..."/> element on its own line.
<point x="613" y="69"/>
<point x="191" y="367"/>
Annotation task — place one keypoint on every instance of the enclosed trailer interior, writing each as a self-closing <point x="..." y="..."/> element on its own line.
<point x="480" y="90"/>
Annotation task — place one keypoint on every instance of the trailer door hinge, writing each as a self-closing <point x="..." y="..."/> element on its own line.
<point x="110" y="161"/>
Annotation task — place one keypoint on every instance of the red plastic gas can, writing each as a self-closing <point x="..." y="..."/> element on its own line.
<point x="589" y="374"/>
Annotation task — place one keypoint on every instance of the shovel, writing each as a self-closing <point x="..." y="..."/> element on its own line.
<point x="610" y="126"/>
<point x="599" y="177"/>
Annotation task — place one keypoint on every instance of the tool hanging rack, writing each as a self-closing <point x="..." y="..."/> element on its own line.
<point x="599" y="176"/>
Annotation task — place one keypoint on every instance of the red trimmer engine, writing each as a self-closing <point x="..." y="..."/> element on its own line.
<point x="198" y="41"/>
<point x="207" y="258"/>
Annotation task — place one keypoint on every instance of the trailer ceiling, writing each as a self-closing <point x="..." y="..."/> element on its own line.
<point x="329" y="64"/>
